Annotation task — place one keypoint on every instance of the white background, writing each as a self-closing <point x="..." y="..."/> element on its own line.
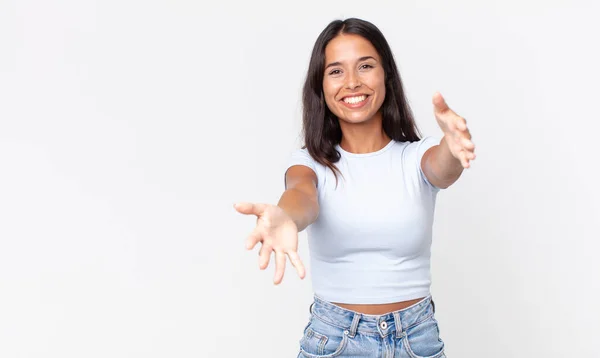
<point x="129" y="128"/>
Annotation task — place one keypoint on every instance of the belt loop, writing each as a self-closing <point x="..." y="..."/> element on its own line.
<point x="433" y="305"/>
<point x="354" y="325"/>
<point x="310" y="308"/>
<point x="398" y="324"/>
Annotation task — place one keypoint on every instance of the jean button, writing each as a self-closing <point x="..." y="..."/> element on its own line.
<point x="383" y="325"/>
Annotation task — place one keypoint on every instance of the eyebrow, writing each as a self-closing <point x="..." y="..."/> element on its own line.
<point x="360" y="59"/>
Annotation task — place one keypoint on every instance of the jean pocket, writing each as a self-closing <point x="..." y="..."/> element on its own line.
<point x="322" y="340"/>
<point x="423" y="340"/>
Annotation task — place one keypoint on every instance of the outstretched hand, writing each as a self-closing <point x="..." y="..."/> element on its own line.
<point x="277" y="232"/>
<point x="455" y="131"/>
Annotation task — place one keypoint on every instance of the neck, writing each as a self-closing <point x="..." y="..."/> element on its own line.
<point x="366" y="137"/>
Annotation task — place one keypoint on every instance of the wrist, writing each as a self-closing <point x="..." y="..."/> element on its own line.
<point x="288" y="218"/>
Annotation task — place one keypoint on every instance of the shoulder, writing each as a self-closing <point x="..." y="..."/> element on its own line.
<point x="418" y="147"/>
<point x="301" y="166"/>
<point x="301" y="156"/>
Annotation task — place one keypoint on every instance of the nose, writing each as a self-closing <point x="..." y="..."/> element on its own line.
<point x="353" y="81"/>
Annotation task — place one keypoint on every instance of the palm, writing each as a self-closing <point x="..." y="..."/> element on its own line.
<point x="274" y="226"/>
<point x="277" y="233"/>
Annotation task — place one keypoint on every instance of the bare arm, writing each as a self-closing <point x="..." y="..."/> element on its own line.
<point x="300" y="200"/>
<point x="441" y="168"/>
<point x="277" y="226"/>
<point x="444" y="163"/>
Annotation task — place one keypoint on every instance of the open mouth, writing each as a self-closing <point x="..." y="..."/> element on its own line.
<point x="355" y="99"/>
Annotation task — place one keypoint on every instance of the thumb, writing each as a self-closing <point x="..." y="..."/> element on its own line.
<point x="439" y="103"/>
<point x="250" y="208"/>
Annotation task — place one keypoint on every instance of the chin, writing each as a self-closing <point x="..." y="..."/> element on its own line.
<point x="356" y="119"/>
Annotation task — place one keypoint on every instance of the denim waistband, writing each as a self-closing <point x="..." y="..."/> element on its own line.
<point x="396" y="322"/>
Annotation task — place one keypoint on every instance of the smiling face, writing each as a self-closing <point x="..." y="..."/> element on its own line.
<point x="354" y="79"/>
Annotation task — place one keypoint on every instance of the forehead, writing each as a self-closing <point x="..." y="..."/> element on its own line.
<point x="349" y="48"/>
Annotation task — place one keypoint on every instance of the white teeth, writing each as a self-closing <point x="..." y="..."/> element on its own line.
<point x="355" y="100"/>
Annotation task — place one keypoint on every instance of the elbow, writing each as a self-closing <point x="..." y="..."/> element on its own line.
<point x="448" y="181"/>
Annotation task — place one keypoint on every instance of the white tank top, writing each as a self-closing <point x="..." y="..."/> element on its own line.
<point x="371" y="241"/>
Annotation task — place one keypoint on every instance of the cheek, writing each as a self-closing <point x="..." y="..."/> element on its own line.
<point x="378" y="82"/>
<point x="329" y="92"/>
<point x="379" y="85"/>
<point x="382" y="93"/>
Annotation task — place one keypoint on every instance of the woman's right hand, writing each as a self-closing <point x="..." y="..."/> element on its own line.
<point x="277" y="232"/>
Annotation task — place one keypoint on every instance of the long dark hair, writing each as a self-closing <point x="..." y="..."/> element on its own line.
<point x="321" y="128"/>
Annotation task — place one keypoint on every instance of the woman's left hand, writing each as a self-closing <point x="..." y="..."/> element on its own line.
<point x="455" y="130"/>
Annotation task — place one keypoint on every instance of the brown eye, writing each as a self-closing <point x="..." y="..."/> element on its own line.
<point x="334" y="72"/>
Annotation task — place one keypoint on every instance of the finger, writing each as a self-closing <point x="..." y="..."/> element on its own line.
<point x="439" y="103"/>
<point x="442" y="109"/>
<point x="467" y="144"/>
<point x="279" y="266"/>
<point x="264" y="256"/>
<point x="250" y="208"/>
<point x="297" y="263"/>
<point x="254" y="238"/>
<point x="465" y="160"/>
<point x="462" y="142"/>
<point x="461" y="157"/>
<point x="469" y="155"/>
<point x="461" y="123"/>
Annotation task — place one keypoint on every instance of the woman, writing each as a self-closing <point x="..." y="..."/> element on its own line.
<point x="364" y="186"/>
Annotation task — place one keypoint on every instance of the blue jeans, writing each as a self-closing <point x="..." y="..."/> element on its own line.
<point x="333" y="331"/>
